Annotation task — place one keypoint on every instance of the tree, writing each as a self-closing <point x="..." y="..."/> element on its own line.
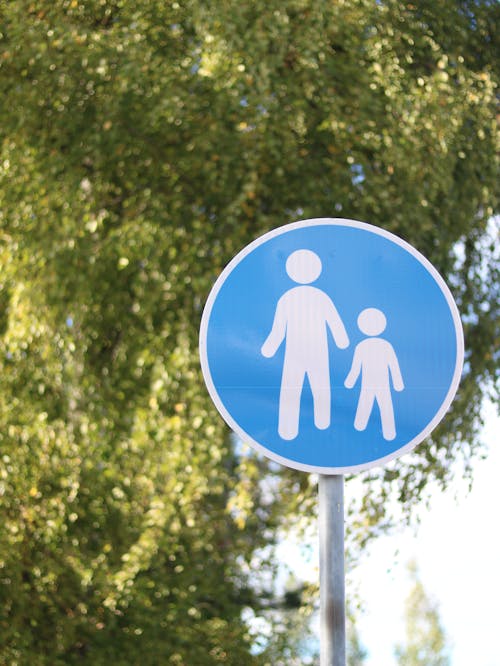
<point x="426" y="643"/>
<point x="142" y="144"/>
<point x="355" y="651"/>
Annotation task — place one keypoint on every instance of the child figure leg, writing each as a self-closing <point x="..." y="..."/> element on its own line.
<point x="386" y="414"/>
<point x="364" y="410"/>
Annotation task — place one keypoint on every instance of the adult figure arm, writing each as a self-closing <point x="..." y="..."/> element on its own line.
<point x="336" y="326"/>
<point x="278" y="331"/>
<point x="355" y="370"/>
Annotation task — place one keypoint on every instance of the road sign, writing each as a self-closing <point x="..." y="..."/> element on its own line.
<point x="331" y="345"/>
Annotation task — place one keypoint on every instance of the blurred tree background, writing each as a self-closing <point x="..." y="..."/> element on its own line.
<point x="142" y="145"/>
<point x="426" y="641"/>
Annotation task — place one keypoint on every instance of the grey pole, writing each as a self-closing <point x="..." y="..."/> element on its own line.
<point x="331" y="570"/>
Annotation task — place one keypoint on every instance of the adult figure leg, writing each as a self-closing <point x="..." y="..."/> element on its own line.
<point x="319" y="379"/>
<point x="289" y="408"/>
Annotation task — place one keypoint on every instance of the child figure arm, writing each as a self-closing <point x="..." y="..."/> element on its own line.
<point x="397" y="379"/>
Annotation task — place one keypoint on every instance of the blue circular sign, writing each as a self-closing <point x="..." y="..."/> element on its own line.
<point x="331" y="345"/>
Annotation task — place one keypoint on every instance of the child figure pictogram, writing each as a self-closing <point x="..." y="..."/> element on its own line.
<point x="376" y="361"/>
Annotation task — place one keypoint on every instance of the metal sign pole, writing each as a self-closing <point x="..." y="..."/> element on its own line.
<point x="331" y="570"/>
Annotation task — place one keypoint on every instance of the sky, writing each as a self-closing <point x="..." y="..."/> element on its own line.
<point x="457" y="551"/>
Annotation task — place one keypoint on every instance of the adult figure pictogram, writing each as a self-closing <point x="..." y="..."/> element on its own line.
<point x="302" y="319"/>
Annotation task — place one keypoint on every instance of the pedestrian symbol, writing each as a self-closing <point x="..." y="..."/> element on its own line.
<point x="331" y="345"/>
<point x="377" y="363"/>
<point x="303" y="315"/>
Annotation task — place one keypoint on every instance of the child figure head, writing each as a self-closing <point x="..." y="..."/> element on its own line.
<point x="372" y="321"/>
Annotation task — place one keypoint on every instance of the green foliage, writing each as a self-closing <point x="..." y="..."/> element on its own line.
<point x="289" y="639"/>
<point x="142" y="145"/>
<point x="355" y="652"/>
<point x="426" y="643"/>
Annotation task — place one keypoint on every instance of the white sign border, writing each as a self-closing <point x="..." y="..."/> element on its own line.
<point x="329" y="221"/>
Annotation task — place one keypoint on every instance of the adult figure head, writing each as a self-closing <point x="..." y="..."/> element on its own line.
<point x="303" y="266"/>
